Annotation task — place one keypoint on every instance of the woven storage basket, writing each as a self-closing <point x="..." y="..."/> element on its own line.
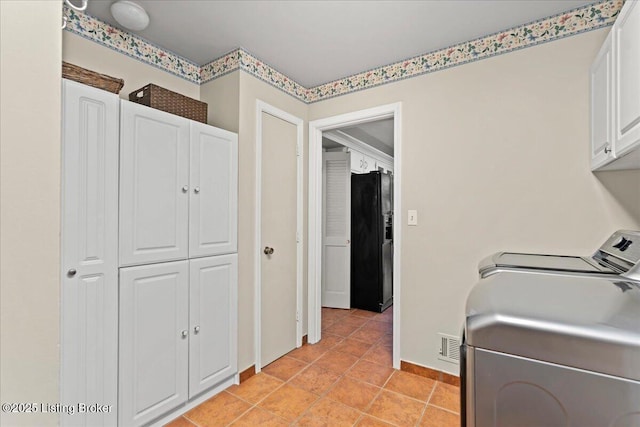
<point x="91" y="78"/>
<point x="163" y="99"/>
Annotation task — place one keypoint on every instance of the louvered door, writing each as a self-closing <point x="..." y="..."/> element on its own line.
<point x="336" y="230"/>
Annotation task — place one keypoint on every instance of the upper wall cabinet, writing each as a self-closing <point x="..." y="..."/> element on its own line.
<point x="361" y="163"/>
<point x="626" y="48"/>
<point x="615" y="95"/>
<point x="178" y="187"/>
<point x="601" y="100"/>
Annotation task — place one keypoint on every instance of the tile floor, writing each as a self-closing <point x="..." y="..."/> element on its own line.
<point x="344" y="380"/>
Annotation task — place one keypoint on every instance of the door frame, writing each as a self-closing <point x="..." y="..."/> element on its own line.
<point x="263" y="107"/>
<point x="316" y="128"/>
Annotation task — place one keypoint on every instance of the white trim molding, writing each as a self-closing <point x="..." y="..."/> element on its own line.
<point x="263" y="107"/>
<point x="316" y="128"/>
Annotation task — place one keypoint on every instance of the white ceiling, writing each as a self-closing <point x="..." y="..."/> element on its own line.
<point x="377" y="134"/>
<point x="314" y="42"/>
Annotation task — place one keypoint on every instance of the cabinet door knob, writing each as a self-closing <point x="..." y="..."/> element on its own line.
<point x="196" y="190"/>
<point x="72" y="272"/>
<point x="196" y="329"/>
<point x="607" y="149"/>
<point x="268" y="250"/>
<point x="185" y="188"/>
<point x="185" y="333"/>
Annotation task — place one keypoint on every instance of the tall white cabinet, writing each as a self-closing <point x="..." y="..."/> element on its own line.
<point x="149" y="259"/>
<point x="178" y="275"/>
<point x="89" y="264"/>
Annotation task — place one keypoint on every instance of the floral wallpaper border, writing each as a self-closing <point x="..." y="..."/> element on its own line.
<point x="129" y="44"/>
<point x="243" y="60"/>
<point x="572" y="22"/>
<point x="586" y="18"/>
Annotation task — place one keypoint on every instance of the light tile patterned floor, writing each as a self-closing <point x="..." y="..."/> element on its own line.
<point x="344" y="380"/>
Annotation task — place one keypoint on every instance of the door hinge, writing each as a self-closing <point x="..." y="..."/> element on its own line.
<point x="297" y="237"/>
<point x="297" y="316"/>
<point x="298" y="150"/>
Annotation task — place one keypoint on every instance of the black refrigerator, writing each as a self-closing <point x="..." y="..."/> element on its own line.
<point x="371" y="241"/>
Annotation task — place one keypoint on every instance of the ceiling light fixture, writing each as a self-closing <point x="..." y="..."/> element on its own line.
<point x="130" y="15"/>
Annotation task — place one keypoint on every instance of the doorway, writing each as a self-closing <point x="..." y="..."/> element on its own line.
<point x="278" y="281"/>
<point x="317" y="203"/>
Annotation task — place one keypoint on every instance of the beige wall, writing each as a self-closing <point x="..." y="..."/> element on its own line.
<point x="494" y="156"/>
<point x="95" y="57"/>
<point x="223" y="98"/>
<point x="30" y="55"/>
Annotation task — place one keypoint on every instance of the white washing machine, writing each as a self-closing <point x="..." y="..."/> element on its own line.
<point x="619" y="254"/>
<point x="545" y="348"/>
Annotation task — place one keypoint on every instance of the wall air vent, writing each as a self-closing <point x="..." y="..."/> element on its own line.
<point x="449" y="348"/>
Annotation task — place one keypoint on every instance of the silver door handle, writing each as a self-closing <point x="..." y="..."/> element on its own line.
<point x="72" y="272"/>
<point x="196" y="329"/>
<point x="185" y="333"/>
<point x="268" y="250"/>
<point x="185" y="188"/>
<point x="196" y="190"/>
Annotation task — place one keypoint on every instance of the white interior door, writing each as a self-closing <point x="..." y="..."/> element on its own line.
<point x="336" y="230"/>
<point x="278" y="232"/>
<point x="89" y="252"/>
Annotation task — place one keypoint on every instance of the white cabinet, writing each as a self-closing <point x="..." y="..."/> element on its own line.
<point x="361" y="163"/>
<point x="213" y="211"/>
<point x="154" y="340"/>
<point x="615" y="95"/>
<point x="213" y="299"/>
<point x="165" y="331"/>
<point x="601" y="106"/>
<point x="626" y="39"/>
<point x="178" y="187"/>
<point x="178" y="332"/>
<point x="89" y="302"/>
<point x="154" y="185"/>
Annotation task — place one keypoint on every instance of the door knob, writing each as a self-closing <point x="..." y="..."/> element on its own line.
<point x="196" y="329"/>
<point x="196" y="190"/>
<point x="72" y="272"/>
<point x="268" y="250"/>
<point x="185" y="188"/>
<point x="185" y="333"/>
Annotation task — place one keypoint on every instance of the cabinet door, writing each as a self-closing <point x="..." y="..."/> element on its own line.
<point x="154" y="341"/>
<point x="154" y="185"/>
<point x="213" y="211"/>
<point x="368" y="164"/>
<point x="357" y="162"/>
<point x="601" y="104"/>
<point x="213" y="321"/>
<point x="89" y="341"/>
<point x="627" y="56"/>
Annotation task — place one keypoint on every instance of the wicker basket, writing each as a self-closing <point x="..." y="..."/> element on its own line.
<point x="163" y="99"/>
<point x="91" y="78"/>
